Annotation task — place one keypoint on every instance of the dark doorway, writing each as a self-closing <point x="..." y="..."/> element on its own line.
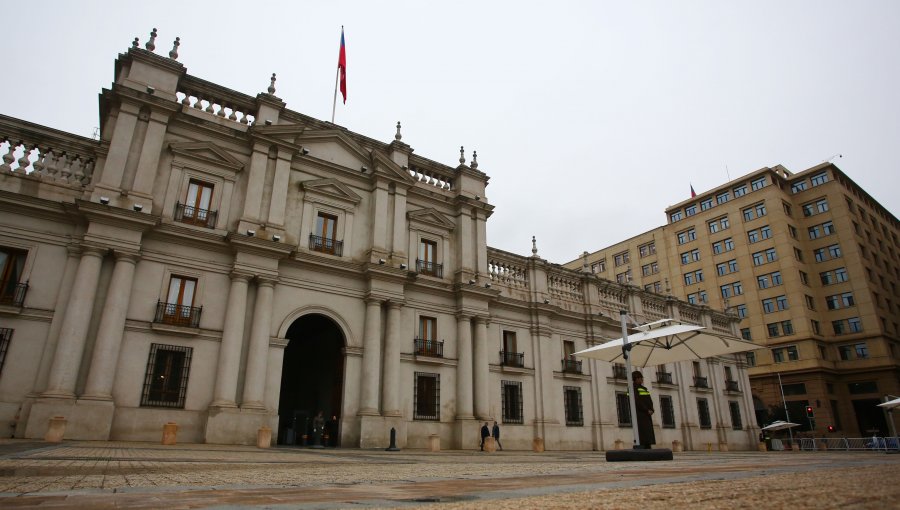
<point x="870" y="417"/>
<point x="311" y="380"/>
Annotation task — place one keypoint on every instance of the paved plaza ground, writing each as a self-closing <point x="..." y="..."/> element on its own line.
<point x="106" y="475"/>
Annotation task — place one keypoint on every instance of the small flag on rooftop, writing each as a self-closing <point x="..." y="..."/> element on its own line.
<point x="341" y="78"/>
<point x="693" y="193"/>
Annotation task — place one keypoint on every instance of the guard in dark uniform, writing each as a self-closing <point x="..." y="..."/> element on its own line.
<point x="644" y="408"/>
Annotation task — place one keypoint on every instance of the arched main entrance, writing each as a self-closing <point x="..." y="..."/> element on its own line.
<point x="311" y="379"/>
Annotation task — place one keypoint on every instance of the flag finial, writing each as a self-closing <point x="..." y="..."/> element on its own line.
<point x="271" y="88"/>
<point x="474" y="164"/>
<point x="462" y="155"/>
<point x="398" y="136"/>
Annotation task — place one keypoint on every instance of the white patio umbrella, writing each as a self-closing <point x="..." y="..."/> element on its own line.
<point x="890" y="404"/>
<point x="780" y="425"/>
<point x="660" y="342"/>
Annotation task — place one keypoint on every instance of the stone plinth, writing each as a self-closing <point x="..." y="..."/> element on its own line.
<point x="723" y="447"/>
<point x="434" y="443"/>
<point x="170" y="433"/>
<point x="56" y="429"/>
<point x="762" y="447"/>
<point x="264" y="437"/>
<point x="619" y="445"/>
<point x="676" y="446"/>
<point x="490" y="445"/>
<point x="537" y="444"/>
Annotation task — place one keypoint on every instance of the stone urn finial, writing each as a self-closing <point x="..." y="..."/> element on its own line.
<point x="398" y="136"/>
<point x="462" y="155"/>
<point x="174" y="53"/>
<point x="533" y="246"/>
<point x="151" y="44"/>
<point x="272" y="85"/>
<point x="474" y="159"/>
<point x="135" y="43"/>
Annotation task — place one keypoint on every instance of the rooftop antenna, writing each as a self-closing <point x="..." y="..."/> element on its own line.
<point x="96" y="134"/>
<point x="832" y="157"/>
<point x="727" y="174"/>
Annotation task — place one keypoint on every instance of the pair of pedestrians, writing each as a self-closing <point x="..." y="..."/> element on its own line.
<point x="495" y="433"/>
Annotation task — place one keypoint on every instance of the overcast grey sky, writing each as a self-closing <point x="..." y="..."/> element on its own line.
<point x="589" y="117"/>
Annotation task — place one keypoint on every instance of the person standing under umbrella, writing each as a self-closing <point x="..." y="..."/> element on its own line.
<point x="644" y="406"/>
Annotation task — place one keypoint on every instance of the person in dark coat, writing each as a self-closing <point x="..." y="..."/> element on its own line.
<point x="485" y="433"/>
<point x="495" y="433"/>
<point x="644" y="407"/>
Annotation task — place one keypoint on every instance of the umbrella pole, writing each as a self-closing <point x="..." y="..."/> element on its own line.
<point x="626" y="353"/>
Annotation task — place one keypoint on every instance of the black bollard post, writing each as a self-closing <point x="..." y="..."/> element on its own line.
<point x="393" y="446"/>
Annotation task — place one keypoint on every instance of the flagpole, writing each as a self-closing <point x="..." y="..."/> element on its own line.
<point x="337" y="77"/>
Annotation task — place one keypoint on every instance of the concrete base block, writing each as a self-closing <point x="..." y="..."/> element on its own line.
<point x="490" y="445"/>
<point x="56" y="429"/>
<point x="676" y="446"/>
<point x="434" y="443"/>
<point x="264" y="437"/>
<point x="723" y="447"/>
<point x="170" y="433"/>
<point x="537" y="444"/>
<point x="762" y="447"/>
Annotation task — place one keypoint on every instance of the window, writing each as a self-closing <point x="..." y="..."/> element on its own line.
<point x="758" y="184"/>
<point x="828" y="228"/>
<point x="781" y="302"/>
<point x="810" y="302"/>
<point x="768" y="305"/>
<point x="771" y="256"/>
<point x="821" y="205"/>
<point x="753" y="236"/>
<point x="706" y="204"/>
<point x="854" y="324"/>
<point x="794" y="389"/>
<point x="718" y="224"/>
<point x="5" y="339"/>
<point x="649" y="269"/>
<point x="750" y="356"/>
<point x="804" y="278"/>
<point x="12" y="264"/>
<point x="757" y="211"/>
<point x="739" y="191"/>
<point x="793" y="231"/>
<point x="745" y="334"/>
<point x="647" y="249"/>
<point x="722" y="269"/>
<point x="820" y="255"/>
<point x="599" y="266"/>
<point x="621" y="258"/>
<point x="814" y="325"/>
<point x="623" y="408"/>
<point x="798" y="254"/>
<point x="690" y="256"/>
<point x="834" y="251"/>
<point x="778" y="354"/>
<point x="731" y="289"/>
<point x="166" y="379"/>
<point x="772" y="330"/>
<point x="703" y="412"/>
<point x="323" y="238"/>
<point x="427" y="261"/>
<point x="510" y="355"/>
<point x="758" y="258"/>
<point x="798" y="186"/>
<point x="856" y="388"/>
<point x="676" y="216"/>
<point x="668" y="411"/>
<point x="729" y="244"/>
<point x="838" y="327"/>
<point x="853" y="351"/>
<point x="427" y="397"/>
<point x="686" y="235"/>
<point x="512" y="402"/>
<point x="787" y="328"/>
<point x="624" y="277"/>
<point x="196" y="205"/>
<point x="732" y="265"/>
<point x="735" y="410"/>
<point x="776" y="278"/>
<point x="721" y="198"/>
<point x="653" y="287"/>
<point x="742" y="311"/>
<point x="690" y="211"/>
<point x="697" y="297"/>
<point x="819" y="179"/>
<point x="787" y="208"/>
<point x="428" y="333"/>
<point x="572" y="400"/>
<point x="179" y="306"/>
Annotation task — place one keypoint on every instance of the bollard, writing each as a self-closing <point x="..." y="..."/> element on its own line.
<point x="264" y="437"/>
<point x="490" y="444"/>
<point x="762" y="447"/>
<point x="619" y="445"/>
<point x="434" y="443"/>
<point x="170" y="432"/>
<point x="56" y="429"/>
<point x="795" y="447"/>
<point x="537" y="444"/>
<point x="708" y="447"/>
<point x="723" y="447"/>
<point x="676" y="446"/>
<point x="393" y="446"/>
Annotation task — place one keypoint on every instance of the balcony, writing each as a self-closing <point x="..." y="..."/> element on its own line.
<point x="177" y="315"/>
<point x="664" y="377"/>
<point x="13" y="295"/>
<point x="430" y="268"/>
<point x="731" y="386"/>
<point x="700" y="382"/>
<point x="619" y="372"/>
<point x="571" y="366"/>
<point x="326" y="245"/>
<point x="433" y="348"/>
<point x="512" y="359"/>
<point x="194" y="216"/>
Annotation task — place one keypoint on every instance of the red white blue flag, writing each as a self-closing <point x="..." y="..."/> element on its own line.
<point x="342" y="67"/>
<point x="693" y="193"/>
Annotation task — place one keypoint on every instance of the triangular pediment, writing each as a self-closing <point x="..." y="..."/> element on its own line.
<point x="331" y="188"/>
<point x="333" y="145"/>
<point x="207" y="152"/>
<point x="387" y="167"/>
<point x="430" y="217"/>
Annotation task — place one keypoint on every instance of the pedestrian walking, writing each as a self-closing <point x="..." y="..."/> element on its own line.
<point x="485" y="433"/>
<point x="644" y="406"/>
<point x="495" y="433"/>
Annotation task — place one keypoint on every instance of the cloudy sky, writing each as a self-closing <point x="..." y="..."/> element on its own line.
<point x="590" y="117"/>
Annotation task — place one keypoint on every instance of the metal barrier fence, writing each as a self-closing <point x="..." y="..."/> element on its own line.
<point x="850" y="443"/>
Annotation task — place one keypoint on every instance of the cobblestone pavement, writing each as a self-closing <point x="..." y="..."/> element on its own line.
<point x="143" y="475"/>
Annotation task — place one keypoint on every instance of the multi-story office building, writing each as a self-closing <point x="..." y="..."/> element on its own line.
<point x="810" y="263"/>
<point x="220" y="261"/>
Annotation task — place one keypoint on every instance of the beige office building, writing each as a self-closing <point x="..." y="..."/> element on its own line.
<point x="218" y="261"/>
<point x="810" y="263"/>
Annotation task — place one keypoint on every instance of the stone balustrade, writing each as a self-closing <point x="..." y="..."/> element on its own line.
<point x="507" y="269"/>
<point x="216" y="100"/>
<point x="563" y="286"/>
<point x="432" y="178"/>
<point x="32" y="150"/>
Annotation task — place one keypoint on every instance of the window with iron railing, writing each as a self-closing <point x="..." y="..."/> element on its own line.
<point x="664" y="377"/>
<point x="512" y="359"/>
<point x="703" y="412"/>
<point x="619" y="371"/>
<point x="166" y="380"/>
<point x="572" y="402"/>
<point x="177" y="315"/>
<point x="623" y="408"/>
<point x="700" y="382"/>
<point x="326" y="245"/>
<point x="12" y="265"/>
<point x="731" y="386"/>
<point x="13" y="295"/>
<point x="5" y="339"/>
<point x="571" y="366"/>
<point x="511" y="402"/>
<point x="429" y="268"/>
<point x="433" y="348"/>
<point x="195" y="216"/>
<point x="427" y="397"/>
<point x="735" y="410"/>
<point x="667" y="409"/>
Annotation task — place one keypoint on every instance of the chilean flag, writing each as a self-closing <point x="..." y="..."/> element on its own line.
<point x="693" y="193"/>
<point x="342" y="67"/>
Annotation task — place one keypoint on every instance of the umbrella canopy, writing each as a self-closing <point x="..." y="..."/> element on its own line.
<point x="668" y="341"/>
<point x="890" y="404"/>
<point x="780" y="425"/>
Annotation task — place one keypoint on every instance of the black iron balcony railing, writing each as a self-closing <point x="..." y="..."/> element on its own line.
<point x="619" y="372"/>
<point x="195" y="216"/>
<point x="664" y="377"/>
<point x="571" y="366"/>
<point x="13" y="295"/>
<point x="326" y="245"/>
<point x="700" y="382"/>
<point x="731" y="385"/>
<point x="512" y="359"/>
<point x="429" y="268"/>
<point x="433" y="348"/>
<point x="177" y="315"/>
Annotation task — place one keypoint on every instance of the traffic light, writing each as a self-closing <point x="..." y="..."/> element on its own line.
<point x="809" y="412"/>
<point x="831" y="428"/>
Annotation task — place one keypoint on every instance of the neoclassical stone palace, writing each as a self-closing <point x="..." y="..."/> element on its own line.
<point x="221" y="262"/>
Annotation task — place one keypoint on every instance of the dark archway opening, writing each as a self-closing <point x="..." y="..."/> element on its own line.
<point x="312" y="379"/>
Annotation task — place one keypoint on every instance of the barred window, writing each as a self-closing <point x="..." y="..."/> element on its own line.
<point x="703" y="412"/>
<point x="735" y="409"/>
<point x="5" y="338"/>
<point x="574" y="414"/>
<point x="668" y="411"/>
<point x="165" y="383"/>
<point x="427" y="397"/>
<point x="623" y="408"/>
<point x="511" y="401"/>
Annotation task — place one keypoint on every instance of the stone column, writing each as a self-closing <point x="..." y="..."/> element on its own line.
<point x="230" y="348"/>
<point x="257" y="357"/>
<point x="390" y="389"/>
<point x="464" y="368"/>
<point x="481" y="370"/>
<point x="64" y="292"/>
<point x="119" y="146"/>
<point x="280" y="189"/>
<point x="73" y="333"/>
<point x="255" y="182"/>
<point x="148" y="164"/>
<point x="112" y="327"/>
<point x="368" y="403"/>
<point x="401" y="230"/>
